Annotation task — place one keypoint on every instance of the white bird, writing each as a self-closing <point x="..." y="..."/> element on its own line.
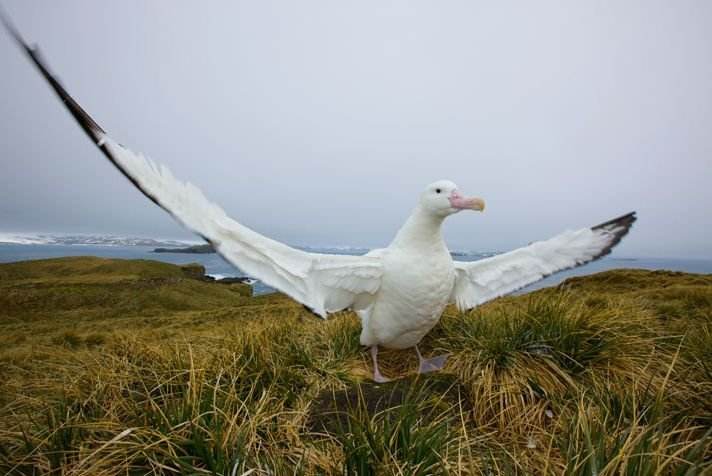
<point x="399" y="292"/>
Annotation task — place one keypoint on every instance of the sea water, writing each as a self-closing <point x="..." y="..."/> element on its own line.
<point x="217" y="267"/>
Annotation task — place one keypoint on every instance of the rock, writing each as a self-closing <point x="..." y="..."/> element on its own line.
<point x="330" y="410"/>
<point x="234" y="280"/>
<point x="194" y="271"/>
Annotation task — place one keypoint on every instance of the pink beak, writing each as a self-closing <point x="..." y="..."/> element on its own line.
<point x="459" y="202"/>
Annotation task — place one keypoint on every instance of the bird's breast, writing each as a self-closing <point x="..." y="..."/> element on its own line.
<point x="415" y="290"/>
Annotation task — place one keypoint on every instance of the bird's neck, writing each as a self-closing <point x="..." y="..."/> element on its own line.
<point x="422" y="230"/>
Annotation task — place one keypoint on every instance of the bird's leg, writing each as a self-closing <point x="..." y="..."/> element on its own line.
<point x="377" y="377"/>
<point x="430" y="365"/>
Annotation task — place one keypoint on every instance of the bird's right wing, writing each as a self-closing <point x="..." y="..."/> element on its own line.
<point x="480" y="281"/>
<point x="323" y="282"/>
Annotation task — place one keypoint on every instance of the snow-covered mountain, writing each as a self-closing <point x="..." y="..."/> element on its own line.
<point x="84" y="239"/>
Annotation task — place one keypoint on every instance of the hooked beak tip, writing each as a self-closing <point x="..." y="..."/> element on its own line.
<point x="478" y="205"/>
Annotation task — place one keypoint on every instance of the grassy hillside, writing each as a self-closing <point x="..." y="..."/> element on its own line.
<point x="136" y="367"/>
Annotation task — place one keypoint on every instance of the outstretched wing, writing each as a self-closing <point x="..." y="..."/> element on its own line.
<point x="480" y="281"/>
<point x="325" y="283"/>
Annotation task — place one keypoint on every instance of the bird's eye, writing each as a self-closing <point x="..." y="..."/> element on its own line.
<point x="437" y="190"/>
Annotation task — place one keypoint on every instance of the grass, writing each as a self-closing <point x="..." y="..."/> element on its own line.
<point x="138" y="367"/>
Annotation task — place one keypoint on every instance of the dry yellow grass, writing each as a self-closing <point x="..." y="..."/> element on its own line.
<point x="136" y="367"/>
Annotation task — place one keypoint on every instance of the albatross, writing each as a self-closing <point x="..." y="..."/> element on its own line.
<point x="399" y="292"/>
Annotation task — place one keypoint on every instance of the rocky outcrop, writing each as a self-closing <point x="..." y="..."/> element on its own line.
<point x="195" y="249"/>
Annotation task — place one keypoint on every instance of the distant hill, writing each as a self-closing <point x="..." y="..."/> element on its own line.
<point x="196" y="249"/>
<point x="80" y="287"/>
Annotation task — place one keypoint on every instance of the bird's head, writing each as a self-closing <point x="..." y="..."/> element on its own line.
<point x="442" y="198"/>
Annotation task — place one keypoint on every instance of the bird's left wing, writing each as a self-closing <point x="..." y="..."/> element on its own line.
<point x="480" y="281"/>
<point x="325" y="283"/>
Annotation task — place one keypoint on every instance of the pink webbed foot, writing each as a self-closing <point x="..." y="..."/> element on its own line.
<point x="430" y="365"/>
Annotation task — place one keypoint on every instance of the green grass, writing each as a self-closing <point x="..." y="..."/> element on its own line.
<point x="138" y="367"/>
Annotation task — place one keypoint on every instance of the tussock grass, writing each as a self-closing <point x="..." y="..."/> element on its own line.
<point x="134" y="367"/>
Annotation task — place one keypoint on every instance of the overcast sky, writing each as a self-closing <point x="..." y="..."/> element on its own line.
<point x="319" y="122"/>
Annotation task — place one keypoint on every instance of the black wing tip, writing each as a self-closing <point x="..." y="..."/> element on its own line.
<point x="85" y="121"/>
<point x="626" y="221"/>
<point x="618" y="227"/>
<point x="90" y="126"/>
<point x="10" y="26"/>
